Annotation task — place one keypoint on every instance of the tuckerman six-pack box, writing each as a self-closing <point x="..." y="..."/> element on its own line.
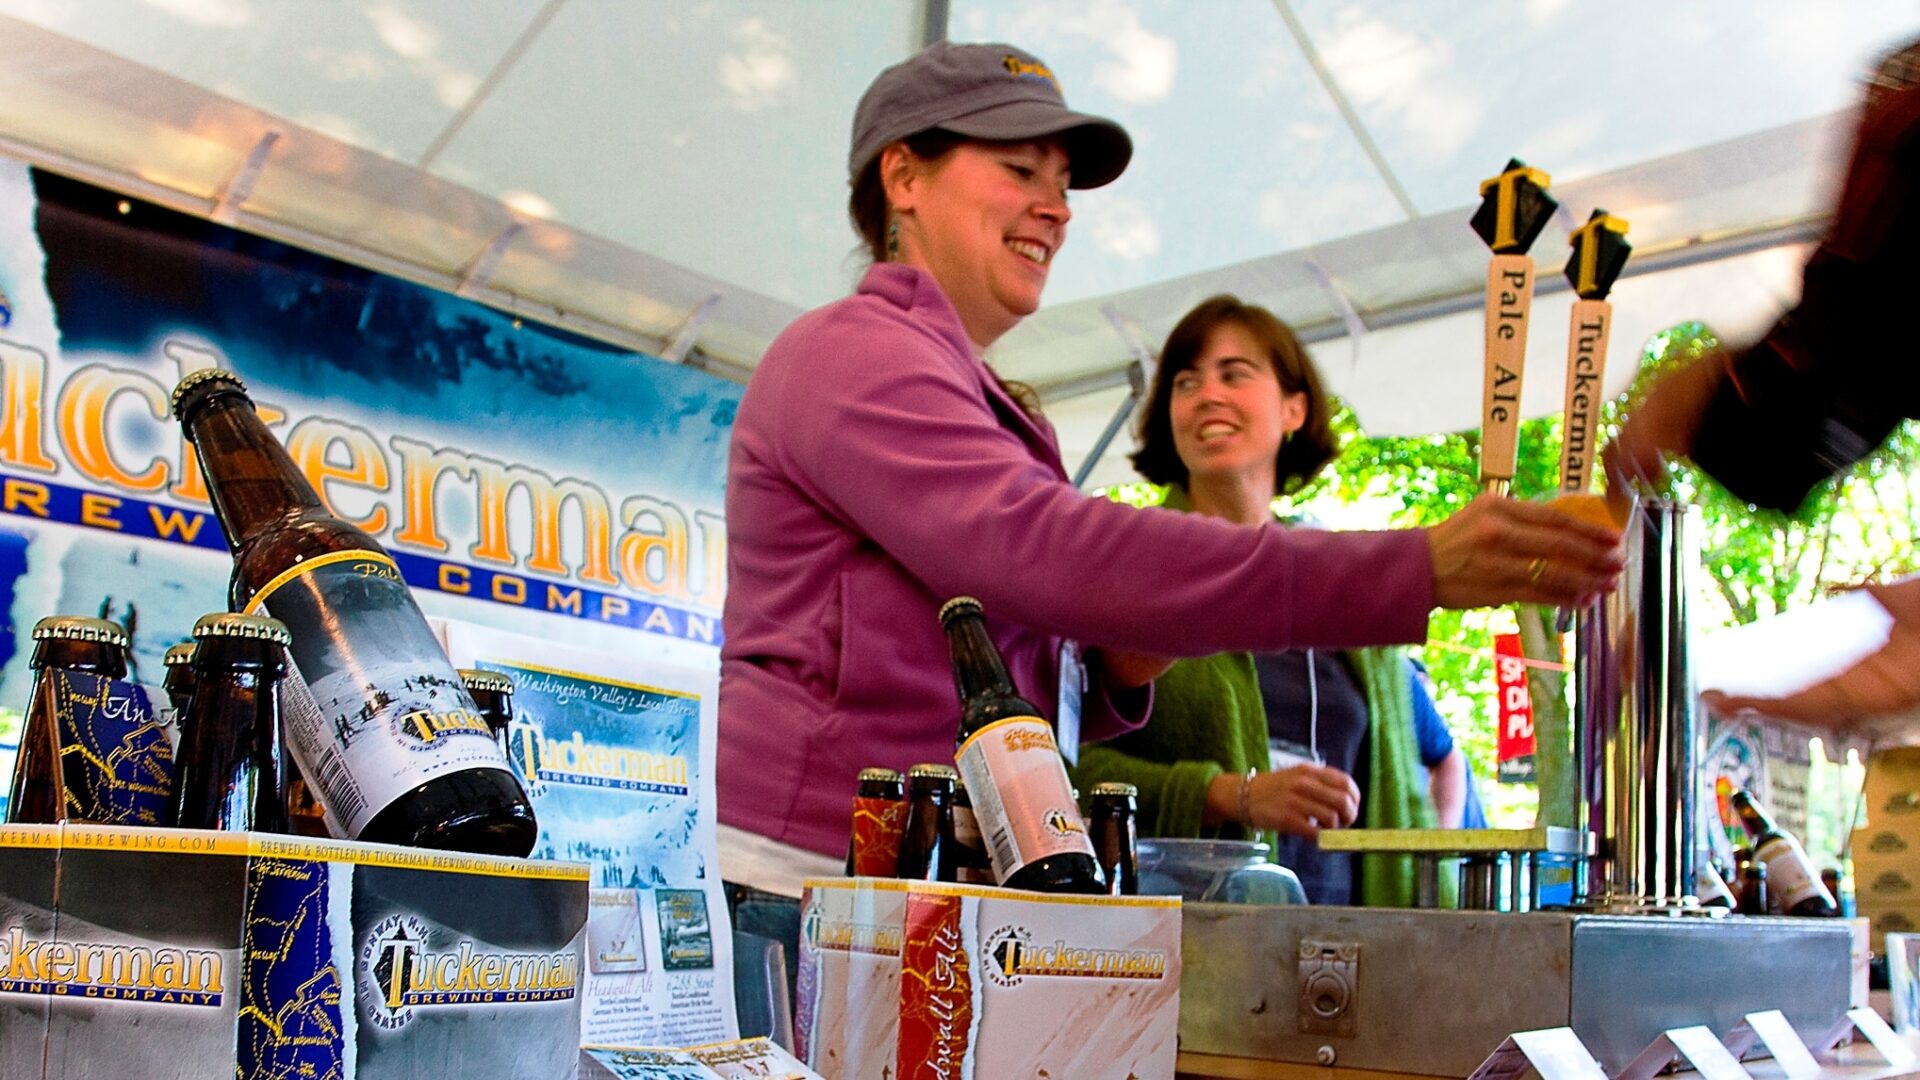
<point x="920" y="981"/>
<point x="175" y="953"/>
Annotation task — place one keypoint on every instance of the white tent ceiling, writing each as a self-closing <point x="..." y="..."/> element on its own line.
<point x="668" y="173"/>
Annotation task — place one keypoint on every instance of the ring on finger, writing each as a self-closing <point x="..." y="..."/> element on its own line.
<point x="1536" y="570"/>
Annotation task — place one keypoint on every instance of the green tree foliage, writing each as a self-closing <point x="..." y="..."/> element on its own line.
<point x="1858" y="528"/>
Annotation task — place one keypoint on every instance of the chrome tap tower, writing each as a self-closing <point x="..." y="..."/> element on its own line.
<point x="1635" y="728"/>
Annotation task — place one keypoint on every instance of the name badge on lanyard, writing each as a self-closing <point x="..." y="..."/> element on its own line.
<point x="1073" y="686"/>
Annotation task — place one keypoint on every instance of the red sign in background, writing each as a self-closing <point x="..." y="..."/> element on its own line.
<point x="1515" y="706"/>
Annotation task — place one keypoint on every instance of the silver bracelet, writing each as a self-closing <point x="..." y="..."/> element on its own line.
<point x="1246" y="798"/>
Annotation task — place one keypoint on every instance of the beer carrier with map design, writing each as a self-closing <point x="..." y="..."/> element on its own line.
<point x="1013" y="769"/>
<point x="375" y="714"/>
<point x="45" y="784"/>
<point x="230" y="772"/>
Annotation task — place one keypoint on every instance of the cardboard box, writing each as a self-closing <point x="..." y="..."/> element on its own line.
<point x="28" y="862"/>
<point x="178" y="953"/>
<point x="847" y="1014"/>
<point x="1886" y="849"/>
<point x="1893" y="790"/>
<point x="741" y="1059"/>
<point x="990" y="983"/>
<point x="1903" y="981"/>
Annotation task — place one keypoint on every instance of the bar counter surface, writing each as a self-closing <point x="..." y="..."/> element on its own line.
<point x="1856" y="1062"/>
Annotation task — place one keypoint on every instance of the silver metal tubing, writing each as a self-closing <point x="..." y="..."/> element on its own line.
<point x="1426" y="882"/>
<point x="1634" y="722"/>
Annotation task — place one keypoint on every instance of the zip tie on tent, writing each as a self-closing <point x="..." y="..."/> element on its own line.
<point x="1545" y="665"/>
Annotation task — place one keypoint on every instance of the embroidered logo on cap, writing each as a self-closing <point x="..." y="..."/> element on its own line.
<point x="1030" y="69"/>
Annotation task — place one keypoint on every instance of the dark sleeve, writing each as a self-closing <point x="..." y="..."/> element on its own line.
<point x="1429" y="727"/>
<point x="1831" y="380"/>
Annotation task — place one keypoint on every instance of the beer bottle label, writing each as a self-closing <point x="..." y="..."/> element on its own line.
<point x="117" y="760"/>
<point x="1709" y="886"/>
<point x="372" y="707"/>
<point x="1021" y="795"/>
<point x="966" y="833"/>
<point x="877" y="827"/>
<point x="1790" y="876"/>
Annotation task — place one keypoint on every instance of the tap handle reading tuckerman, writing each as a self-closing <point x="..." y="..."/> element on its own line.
<point x="1514" y="208"/>
<point x="1600" y="251"/>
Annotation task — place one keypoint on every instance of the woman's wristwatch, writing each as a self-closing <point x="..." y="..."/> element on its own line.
<point x="1246" y="798"/>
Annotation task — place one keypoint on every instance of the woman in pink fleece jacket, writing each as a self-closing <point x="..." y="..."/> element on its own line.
<point x="879" y="467"/>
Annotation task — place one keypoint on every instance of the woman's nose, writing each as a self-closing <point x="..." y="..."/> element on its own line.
<point x="1053" y="207"/>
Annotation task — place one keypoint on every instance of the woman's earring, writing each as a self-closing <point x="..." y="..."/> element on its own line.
<point x="893" y="240"/>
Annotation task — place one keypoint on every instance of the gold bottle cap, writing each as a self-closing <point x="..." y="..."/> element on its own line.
<point x="891" y="776"/>
<point x="79" y="628"/>
<point x="488" y="681"/>
<point x="178" y="655"/>
<point x="200" y="378"/>
<point x="959" y="605"/>
<point x="1114" y="787"/>
<point x="942" y="772"/>
<point x="228" y="624"/>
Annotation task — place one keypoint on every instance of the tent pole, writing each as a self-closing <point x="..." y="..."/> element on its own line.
<point x="1136" y="390"/>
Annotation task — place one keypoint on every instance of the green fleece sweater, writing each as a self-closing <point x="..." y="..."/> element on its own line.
<point x="1208" y="718"/>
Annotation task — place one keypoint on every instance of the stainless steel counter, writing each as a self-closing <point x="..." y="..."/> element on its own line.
<point x="1434" y="992"/>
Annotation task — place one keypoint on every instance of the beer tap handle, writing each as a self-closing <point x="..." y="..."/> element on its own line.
<point x="1600" y="250"/>
<point x="1514" y="208"/>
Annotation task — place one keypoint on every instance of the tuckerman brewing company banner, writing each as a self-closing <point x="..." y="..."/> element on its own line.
<point x="522" y="477"/>
<point x="525" y="480"/>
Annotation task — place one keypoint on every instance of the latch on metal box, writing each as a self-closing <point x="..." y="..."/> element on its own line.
<point x="1329" y="986"/>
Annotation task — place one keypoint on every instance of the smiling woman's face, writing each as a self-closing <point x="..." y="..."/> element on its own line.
<point x="1228" y="412"/>
<point x="986" y="221"/>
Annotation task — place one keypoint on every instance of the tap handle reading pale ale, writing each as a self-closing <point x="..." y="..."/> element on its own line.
<point x="926" y="844"/>
<point x="375" y="715"/>
<point x="46" y="787"/>
<point x="1793" y="885"/>
<point x="1013" y="769"/>
<point x="230" y="772"/>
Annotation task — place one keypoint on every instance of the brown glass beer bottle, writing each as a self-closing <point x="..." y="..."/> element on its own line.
<point x="230" y="772"/>
<point x="1793" y="885"/>
<point x="1753" y="889"/>
<point x="970" y="863"/>
<point x="492" y="694"/>
<point x="1014" y="772"/>
<point x="879" y="819"/>
<point x="46" y="788"/>
<point x="375" y="716"/>
<point x="178" y="682"/>
<point x="926" y="845"/>
<point x="1111" y="828"/>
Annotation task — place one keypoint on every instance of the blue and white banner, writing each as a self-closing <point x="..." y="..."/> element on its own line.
<point x="522" y="477"/>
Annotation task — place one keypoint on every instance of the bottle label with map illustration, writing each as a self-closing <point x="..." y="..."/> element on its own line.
<point x="114" y="752"/>
<point x="373" y="708"/>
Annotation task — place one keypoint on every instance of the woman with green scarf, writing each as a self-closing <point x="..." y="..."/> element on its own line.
<point x="1274" y="746"/>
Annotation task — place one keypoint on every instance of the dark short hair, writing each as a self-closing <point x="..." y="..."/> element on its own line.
<point x="867" y="204"/>
<point x="868" y="210"/>
<point x="1301" y="456"/>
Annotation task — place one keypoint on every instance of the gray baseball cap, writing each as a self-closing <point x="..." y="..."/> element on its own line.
<point x="988" y="91"/>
